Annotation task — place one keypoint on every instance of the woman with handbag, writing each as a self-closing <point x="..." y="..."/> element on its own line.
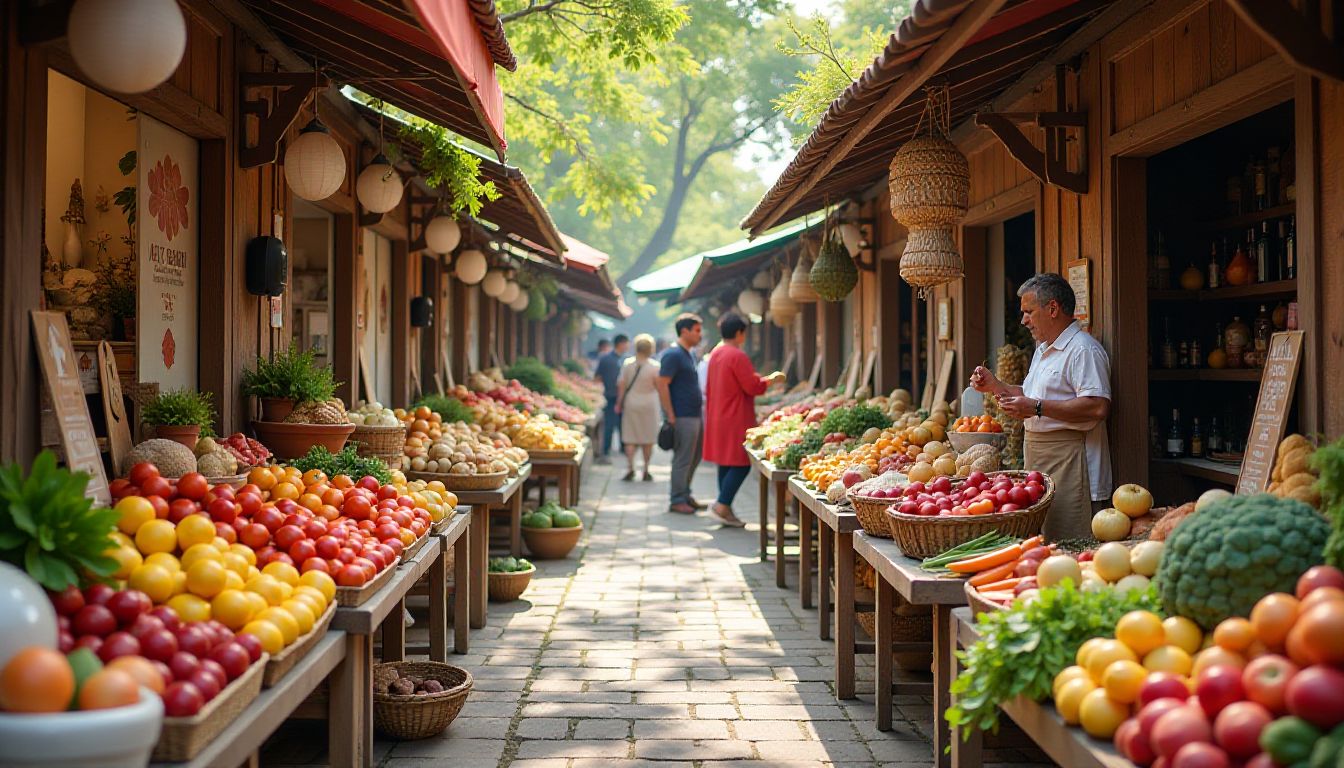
<point x="637" y="403"/>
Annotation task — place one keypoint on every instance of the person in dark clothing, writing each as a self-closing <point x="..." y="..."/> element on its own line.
<point x="603" y="346"/>
<point x="679" y="391"/>
<point x="609" y="373"/>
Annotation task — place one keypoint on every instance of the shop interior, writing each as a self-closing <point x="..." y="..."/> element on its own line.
<point x="310" y="261"/>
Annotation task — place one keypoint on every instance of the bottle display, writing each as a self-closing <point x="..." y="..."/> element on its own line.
<point x="1175" y="439"/>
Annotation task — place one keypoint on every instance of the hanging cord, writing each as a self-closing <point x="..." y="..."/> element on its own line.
<point x="937" y="114"/>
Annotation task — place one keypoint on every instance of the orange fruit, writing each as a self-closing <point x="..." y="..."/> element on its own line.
<point x="36" y="679"/>
<point x="109" y="688"/>
<point x="154" y="581"/>
<point x="323" y="582"/>
<point x="258" y="602"/>
<point x="262" y="478"/>
<point x="232" y="608"/>
<point x="283" y="620"/>
<point x="1123" y="679"/>
<point x="283" y="572"/>
<point x="128" y="559"/>
<point x="1235" y="634"/>
<point x="207" y="578"/>
<point x="1067" y="675"/>
<point x="190" y="607"/>
<point x="1142" y="631"/>
<point x="1216" y="656"/>
<point x="1168" y="658"/>
<point x="1069" y="700"/>
<point x="272" y="639"/>
<point x="1273" y="617"/>
<point x="141" y="669"/>
<point x="197" y="553"/>
<point x="1104" y="654"/>
<point x="268" y="587"/>
<point x="285" y="490"/>
<point x="133" y="511"/>
<point x="1183" y="633"/>
<point x="310" y="501"/>
<point x="302" y="613"/>
<point x="1100" y="715"/>
<point x="245" y="551"/>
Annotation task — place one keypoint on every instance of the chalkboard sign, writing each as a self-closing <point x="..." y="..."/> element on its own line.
<point x="57" y="358"/>
<point x="1277" y="385"/>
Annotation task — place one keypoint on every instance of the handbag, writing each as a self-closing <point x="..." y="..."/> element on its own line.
<point x="667" y="436"/>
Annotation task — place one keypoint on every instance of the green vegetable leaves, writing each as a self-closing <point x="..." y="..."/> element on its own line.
<point x="450" y="409"/>
<point x="347" y="462"/>
<point x="1022" y="648"/>
<point x="1329" y="461"/>
<point x="292" y="374"/>
<point x="50" y="528"/>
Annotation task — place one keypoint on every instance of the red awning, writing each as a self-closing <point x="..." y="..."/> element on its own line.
<point x="583" y="256"/>
<point x="453" y="25"/>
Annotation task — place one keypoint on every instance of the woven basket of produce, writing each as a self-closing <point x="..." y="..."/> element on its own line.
<point x="381" y="442"/>
<point x="916" y="626"/>
<point x="429" y="695"/>
<point x="478" y="482"/>
<point x="979" y="604"/>
<point x="505" y="587"/>
<point x="921" y="536"/>
<point x="872" y="515"/>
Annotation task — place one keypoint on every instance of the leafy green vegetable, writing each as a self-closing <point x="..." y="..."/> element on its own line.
<point x="1021" y="649"/>
<point x="180" y="408"/>
<point x="569" y="397"/>
<point x="574" y="366"/>
<point x="533" y="374"/>
<point x="49" y="528"/>
<point x="450" y="409"/>
<point x="1328" y="460"/>
<point x="292" y="374"/>
<point x="347" y="462"/>
<point x="508" y="565"/>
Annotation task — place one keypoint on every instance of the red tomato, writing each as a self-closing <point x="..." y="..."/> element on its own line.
<point x="226" y="532"/>
<point x="333" y="496"/>
<point x="395" y="545"/>
<point x="182" y="699"/>
<point x="286" y="535"/>
<point x="119" y="487"/>
<point x="265" y="555"/>
<point x="223" y="510"/>
<point x="249" y="503"/>
<point x="270" y="517"/>
<point x="367" y="482"/>
<point x="368" y="526"/>
<point x="142" y="472"/>
<point x="387" y="531"/>
<point x="314" y="529"/>
<point x="157" y="486"/>
<point x="249" y="488"/>
<point x="315" y="564"/>
<point x="350" y="576"/>
<point x="328" y="546"/>
<point x="375" y="557"/>
<point x="281" y="557"/>
<point x="303" y="550"/>
<point x="192" y="486"/>
<point x="224" y="491"/>
<point x="255" y="536"/>
<point x="364" y="563"/>
<point x="357" y="508"/>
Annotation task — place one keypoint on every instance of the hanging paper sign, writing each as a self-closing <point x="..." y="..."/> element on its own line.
<point x="57" y="358"/>
<point x="1080" y="280"/>
<point x="169" y="220"/>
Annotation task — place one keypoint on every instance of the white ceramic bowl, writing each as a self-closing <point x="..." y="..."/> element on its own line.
<point x="105" y="738"/>
<point x="29" y="618"/>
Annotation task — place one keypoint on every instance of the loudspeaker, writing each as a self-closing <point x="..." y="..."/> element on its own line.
<point x="267" y="266"/>
<point x="422" y="312"/>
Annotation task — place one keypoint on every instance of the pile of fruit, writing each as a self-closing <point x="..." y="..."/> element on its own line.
<point x="509" y="565"/>
<point x="519" y="397"/>
<point x="410" y="685"/>
<point x="982" y="423"/>
<point x="837" y="432"/>
<point x="212" y="457"/>
<point x="585" y="387"/>
<point x="373" y="415"/>
<point x="978" y="494"/>
<point x="551" y="515"/>
<point x="1293" y="476"/>
<point x="458" y="449"/>
<point x="1129" y="513"/>
<point x="542" y="434"/>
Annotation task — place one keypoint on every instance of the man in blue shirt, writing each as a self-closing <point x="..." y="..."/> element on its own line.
<point x="679" y="389"/>
<point x="609" y="372"/>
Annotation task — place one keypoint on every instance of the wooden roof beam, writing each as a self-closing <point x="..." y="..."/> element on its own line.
<point x="1297" y="38"/>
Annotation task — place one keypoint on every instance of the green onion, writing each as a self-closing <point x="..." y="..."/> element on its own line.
<point x="978" y="546"/>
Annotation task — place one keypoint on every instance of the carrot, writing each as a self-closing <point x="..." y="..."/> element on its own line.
<point x="989" y="560"/>
<point x="1005" y="584"/>
<point x="1003" y="596"/>
<point x="991" y="575"/>
<point x="1034" y="541"/>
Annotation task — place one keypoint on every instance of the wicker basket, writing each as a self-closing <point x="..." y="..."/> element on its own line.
<point x="349" y="597"/>
<point x="551" y="543"/>
<point x="872" y="515"/>
<point x="507" y="587"/>
<point x="920" y="536"/>
<point x="484" y="482"/>
<point x="236" y="481"/>
<point x="538" y="453"/>
<point x="379" y="442"/>
<point x="182" y="738"/>
<point x="964" y="441"/>
<point x="931" y="258"/>
<point x="979" y="604"/>
<point x="929" y="181"/>
<point x="421" y="716"/>
<point x="282" y="662"/>
<point x="909" y="628"/>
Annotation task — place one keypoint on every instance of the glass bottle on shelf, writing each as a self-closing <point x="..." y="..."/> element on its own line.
<point x="1215" y="271"/>
<point x="1168" y="348"/>
<point x="1264" y="328"/>
<point x="1290" y="250"/>
<point x="1215" y="442"/>
<point x="1261" y="185"/>
<point x="1183" y="355"/>
<point x="1163" y="264"/>
<point x="1196" y="439"/>
<point x="1175" y="439"/>
<point x="1258" y="245"/>
<point x="1272" y="166"/>
<point x="1237" y="337"/>
<point x="1196" y="359"/>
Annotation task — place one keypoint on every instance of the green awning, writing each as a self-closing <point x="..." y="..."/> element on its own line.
<point x="730" y="262"/>
<point x="745" y="249"/>
<point x="668" y="281"/>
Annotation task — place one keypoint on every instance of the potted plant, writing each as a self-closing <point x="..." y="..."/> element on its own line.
<point x="289" y="378"/>
<point x="181" y="415"/>
<point x="118" y="299"/>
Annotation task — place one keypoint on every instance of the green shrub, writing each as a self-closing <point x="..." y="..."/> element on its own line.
<point x="291" y="374"/>
<point x="181" y="408"/>
<point x="575" y="367"/>
<point x="347" y="462"/>
<point x="568" y="397"/>
<point x="450" y="409"/>
<point x="533" y="374"/>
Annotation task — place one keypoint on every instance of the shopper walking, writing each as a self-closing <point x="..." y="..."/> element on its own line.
<point x="637" y="403"/>
<point x="679" y="391"/>
<point x="609" y="373"/>
<point x="730" y="404"/>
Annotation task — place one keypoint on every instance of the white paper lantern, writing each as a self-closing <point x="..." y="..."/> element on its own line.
<point x="471" y="266"/>
<point x="761" y="280"/>
<point x="442" y="234"/>
<point x="585" y="324"/>
<point x="851" y="237"/>
<point x="520" y="304"/>
<point x="510" y="294"/>
<point x="750" y="302"/>
<point x="314" y="163"/>
<point x="127" y="46"/>
<point x="494" y="283"/>
<point x="379" y="186"/>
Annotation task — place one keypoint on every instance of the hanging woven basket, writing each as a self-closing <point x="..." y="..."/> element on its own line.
<point x="929" y="178"/>
<point x="931" y="258"/>
<point x="783" y="309"/>
<point x="834" y="275"/>
<point x="800" y="285"/>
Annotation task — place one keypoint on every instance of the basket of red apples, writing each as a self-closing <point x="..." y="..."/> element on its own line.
<point x="926" y="519"/>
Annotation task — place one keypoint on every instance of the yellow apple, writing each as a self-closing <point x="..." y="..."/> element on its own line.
<point x="1132" y="499"/>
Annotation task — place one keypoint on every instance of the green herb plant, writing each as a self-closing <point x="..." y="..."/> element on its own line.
<point x="574" y="366"/>
<point x="1022" y="648"/>
<point x="1328" y="460"/>
<point x="181" y="408"/>
<point x="533" y="374"/>
<point x="569" y="397"/>
<point x="450" y="409"/>
<point x="292" y="374"/>
<point x="347" y="462"/>
<point x="49" y="528"/>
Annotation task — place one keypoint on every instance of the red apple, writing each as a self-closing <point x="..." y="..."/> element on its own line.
<point x="1237" y="728"/>
<point x="94" y="620"/>
<point x="128" y="604"/>
<point x="171" y="621"/>
<point x="1163" y="685"/>
<point x="182" y="664"/>
<point x="1316" y="694"/>
<point x="1218" y="687"/>
<point x="159" y="645"/>
<point x="1151" y="711"/>
<point x="1200" y="755"/>
<point x="233" y="657"/>
<point x="119" y="644"/>
<point x="1178" y="727"/>
<point x="182" y="699"/>
<point x="1131" y="742"/>
<point x="98" y="594"/>
<point x="68" y="601"/>
<point x="1266" y="679"/>
<point x="1319" y="576"/>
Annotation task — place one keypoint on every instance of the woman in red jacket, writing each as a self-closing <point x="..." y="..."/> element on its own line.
<point x="730" y="410"/>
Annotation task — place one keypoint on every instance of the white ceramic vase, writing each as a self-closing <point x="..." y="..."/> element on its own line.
<point x="72" y="250"/>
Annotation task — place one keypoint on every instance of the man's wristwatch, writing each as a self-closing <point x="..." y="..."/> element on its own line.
<point x="1038" y="407"/>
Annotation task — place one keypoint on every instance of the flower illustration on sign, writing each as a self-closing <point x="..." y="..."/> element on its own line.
<point x="168" y="197"/>
<point x="169" y="348"/>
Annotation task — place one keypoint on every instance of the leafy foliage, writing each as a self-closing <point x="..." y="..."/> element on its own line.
<point x="292" y="374"/>
<point x="854" y="421"/>
<point x="450" y="167"/>
<point x="347" y="462"/>
<point x="450" y="409"/>
<point x="1022" y="648"/>
<point x="837" y="67"/>
<point x="49" y="528"/>
<point x="533" y="374"/>
<point x="569" y="397"/>
<point x="574" y="366"/>
<point x="180" y="408"/>
<point x="1329" y="461"/>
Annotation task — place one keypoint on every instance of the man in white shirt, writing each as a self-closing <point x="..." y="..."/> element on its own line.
<point x="1064" y="402"/>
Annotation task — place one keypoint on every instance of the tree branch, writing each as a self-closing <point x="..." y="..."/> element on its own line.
<point x="559" y="122"/>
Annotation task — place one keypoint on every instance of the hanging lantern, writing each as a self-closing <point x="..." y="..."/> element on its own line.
<point x="127" y="46"/>
<point x="471" y="266"/>
<point x="750" y="302"/>
<point x="443" y="233"/>
<point x="510" y="294"/>
<point x="800" y="286"/>
<point x="782" y="308"/>
<point x="494" y="283"/>
<point x="931" y="258"/>
<point x="314" y="163"/>
<point x="585" y="324"/>
<point x="851" y="236"/>
<point x="761" y="280"/>
<point x="520" y="304"/>
<point x="379" y="186"/>
<point x="833" y="275"/>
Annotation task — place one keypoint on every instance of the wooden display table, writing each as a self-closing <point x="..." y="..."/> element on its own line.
<point x="239" y="743"/>
<point x="836" y="566"/>
<point x="453" y="535"/>
<point x="385" y="611"/>
<point x="565" y="472"/>
<point x="508" y="499"/>
<point x="897" y="573"/>
<point x="1042" y="724"/>
<point x="775" y="479"/>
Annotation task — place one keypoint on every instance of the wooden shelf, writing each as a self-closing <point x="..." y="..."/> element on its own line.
<point x="1205" y="374"/>
<point x="1248" y="219"/>
<point x="1277" y="289"/>
<point x="1203" y="468"/>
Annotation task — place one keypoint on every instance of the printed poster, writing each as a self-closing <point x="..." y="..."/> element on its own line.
<point x="169" y="227"/>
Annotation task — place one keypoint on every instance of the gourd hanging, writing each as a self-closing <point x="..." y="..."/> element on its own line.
<point x="783" y="309"/>
<point x="800" y="286"/>
<point x="833" y="274"/>
<point x="929" y="181"/>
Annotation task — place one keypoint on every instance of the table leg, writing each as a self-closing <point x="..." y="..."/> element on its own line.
<point x="764" y="493"/>
<point x="781" y="506"/>
<point x="804" y="552"/>
<point x="438" y="606"/>
<point x="968" y="752"/>
<point x="565" y="489"/>
<point x="480" y="548"/>
<point x="462" y="591"/>
<point x="824" y="556"/>
<point x="516" y="524"/>
<point x="886" y="608"/>
<point x="844" y="615"/>
<point x="943" y="659"/>
<point x="393" y="631"/>
<point x="343" y="710"/>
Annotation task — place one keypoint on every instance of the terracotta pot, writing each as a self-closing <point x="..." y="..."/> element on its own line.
<point x="551" y="543"/>
<point x="290" y="441"/>
<point x="186" y="435"/>
<point x="275" y="408"/>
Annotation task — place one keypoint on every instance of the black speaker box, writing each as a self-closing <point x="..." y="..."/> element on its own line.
<point x="267" y="266"/>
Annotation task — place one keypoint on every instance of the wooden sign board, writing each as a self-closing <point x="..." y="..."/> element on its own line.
<point x="815" y="377"/>
<point x="57" y="358"/>
<point x="851" y="375"/>
<point x="868" y="369"/>
<point x="1277" y="385"/>
<point x="944" y="377"/>
<point x="114" y="407"/>
<point x="1079" y="275"/>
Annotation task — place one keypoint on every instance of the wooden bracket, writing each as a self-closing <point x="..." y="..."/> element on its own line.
<point x="43" y="21"/>
<point x="1295" y="34"/>
<point x="275" y="112"/>
<point x="1051" y="166"/>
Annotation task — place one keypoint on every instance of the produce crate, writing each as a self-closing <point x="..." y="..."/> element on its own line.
<point x="485" y="482"/>
<point x="424" y="715"/>
<point x="183" y="738"/>
<point x="280" y="664"/>
<point x="920" y="536"/>
<point x="349" y="597"/>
